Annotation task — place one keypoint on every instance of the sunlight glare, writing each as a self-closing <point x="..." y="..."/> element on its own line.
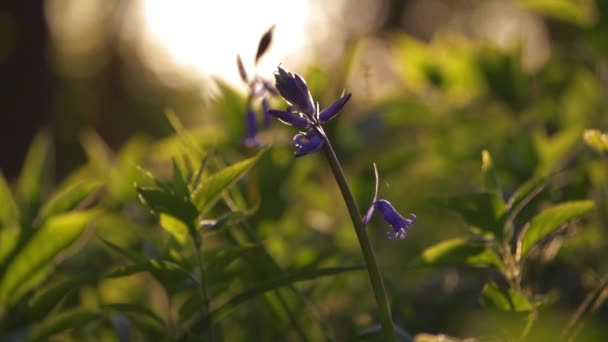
<point x="202" y="38"/>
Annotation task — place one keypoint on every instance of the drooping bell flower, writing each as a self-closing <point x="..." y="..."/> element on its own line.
<point x="388" y="213"/>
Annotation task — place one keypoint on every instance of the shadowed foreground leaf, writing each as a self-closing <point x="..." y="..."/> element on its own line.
<point x="270" y="285"/>
<point x="76" y="318"/>
<point x="506" y="300"/>
<point x="480" y="209"/>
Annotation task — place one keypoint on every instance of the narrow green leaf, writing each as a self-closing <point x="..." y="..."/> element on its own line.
<point x="553" y="150"/>
<point x="212" y="187"/>
<point x="119" y="250"/>
<point x="217" y="260"/>
<point x="68" y="198"/>
<point x="137" y="309"/>
<point x="9" y="212"/>
<point x="175" y="226"/>
<point x="551" y="219"/>
<point x="171" y="275"/>
<point x="37" y="255"/>
<point x="271" y="284"/>
<point x="460" y="251"/>
<point x="488" y="173"/>
<point x="524" y="194"/>
<point x="98" y="153"/>
<point x="161" y="201"/>
<point x="76" y="318"/>
<point x="33" y="177"/>
<point x="506" y="300"/>
<point x="41" y="305"/>
<point x="8" y="240"/>
<point x="480" y="209"/>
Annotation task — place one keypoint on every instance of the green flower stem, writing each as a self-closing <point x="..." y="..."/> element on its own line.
<point x="366" y="247"/>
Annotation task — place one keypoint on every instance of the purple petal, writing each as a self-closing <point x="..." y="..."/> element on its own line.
<point x="289" y="118"/>
<point x="267" y="117"/>
<point x="270" y="88"/>
<point x="252" y="124"/>
<point x="390" y="215"/>
<point x="308" y="143"/>
<point x="293" y="89"/>
<point x="252" y="130"/>
<point x="242" y="71"/>
<point x="368" y="215"/>
<point x="332" y="110"/>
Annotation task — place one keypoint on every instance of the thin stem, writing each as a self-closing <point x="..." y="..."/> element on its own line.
<point x="366" y="247"/>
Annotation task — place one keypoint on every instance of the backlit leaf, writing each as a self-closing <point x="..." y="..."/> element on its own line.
<point x="505" y="300"/>
<point x="37" y="255"/>
<point x="212" y="187"/>
<point x="551" y="219"/>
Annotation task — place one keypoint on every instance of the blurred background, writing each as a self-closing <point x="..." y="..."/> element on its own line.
<point x="434" y="83"/>
<point x="113" y="66"/>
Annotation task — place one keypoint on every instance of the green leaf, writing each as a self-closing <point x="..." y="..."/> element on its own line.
<point x="98" y="153"/>
<point x="161" y="201"/>
<point x="133" y="256"/>
<point x="42" y="304"/>
<point x="37" y="255"/>
<point x="137" y="309"/>
<point x="506" y="300"/>
<point x="524" y="194"/>
<point x="68" y="198"/>
<point x="552" y="150"/>
<point x="488" y="173"/>
<point x="33" y="177"/>
<point x="9" y="236"/>
<point x="460" y="251"/>
<point x="9" y="212"/>
<point x="212" y="187"/>
<point x="171" y="275"/>
<point x="571" y="11"/>
<point x="271" y="284"/>
<point x="175" y="226"/>
<point x="480" y="209"/>
<point x="76" y="318"/>
<point x="551" y="219"/>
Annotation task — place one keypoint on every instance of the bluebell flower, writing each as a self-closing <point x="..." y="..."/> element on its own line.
<point x="302" y="112"/>
<point x="252" y="130"/>
<point x="388" y="213"/>
<point x="258" y="89"/>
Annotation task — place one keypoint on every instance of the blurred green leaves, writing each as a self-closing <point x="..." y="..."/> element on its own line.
<point x="551" y="219"/>
<point x="34" y="261"/>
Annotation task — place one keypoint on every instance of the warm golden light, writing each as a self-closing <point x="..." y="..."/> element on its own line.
<point x="202" y="38"/>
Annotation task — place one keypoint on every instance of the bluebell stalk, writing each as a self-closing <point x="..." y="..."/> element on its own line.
<point x="304" y="113"/>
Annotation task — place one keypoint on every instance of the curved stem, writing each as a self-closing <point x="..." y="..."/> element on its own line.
<point x="366" y="247"/>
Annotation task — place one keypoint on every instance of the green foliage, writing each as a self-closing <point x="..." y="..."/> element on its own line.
<point x="33" y="262"/>
<point x="551" y="219"/>
<point x="506" y="300"/>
